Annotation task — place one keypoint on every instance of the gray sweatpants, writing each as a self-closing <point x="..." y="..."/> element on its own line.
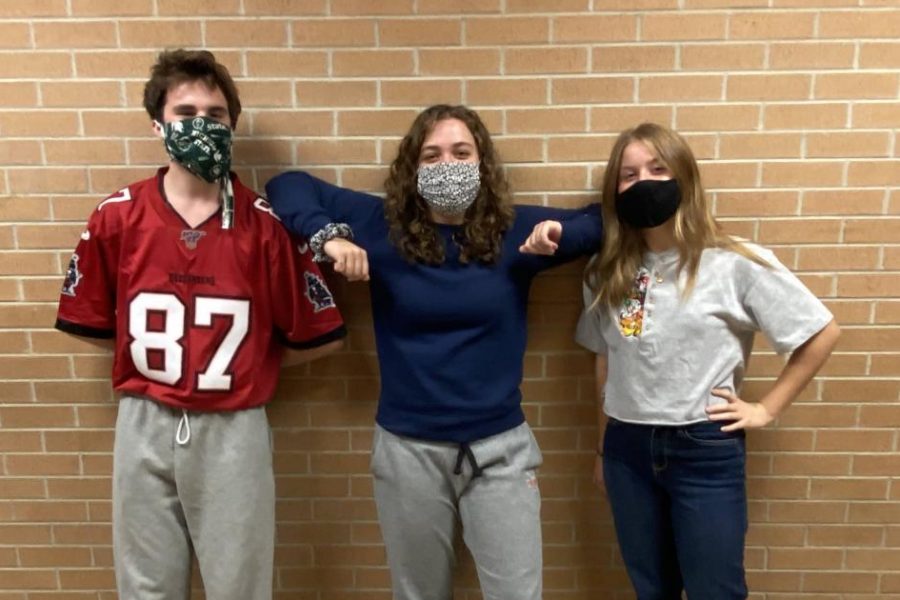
<point x="211" y="491"/>
<point x="420" y="500"/>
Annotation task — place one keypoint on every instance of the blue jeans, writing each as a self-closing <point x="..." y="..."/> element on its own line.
<point x="679" y="504"/>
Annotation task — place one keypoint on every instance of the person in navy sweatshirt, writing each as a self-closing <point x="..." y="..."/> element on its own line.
<point x="449" y="288"/>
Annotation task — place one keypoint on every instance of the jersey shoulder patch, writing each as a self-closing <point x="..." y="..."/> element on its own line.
<point x="73" y="277"/>
<point x="317" y="292"/>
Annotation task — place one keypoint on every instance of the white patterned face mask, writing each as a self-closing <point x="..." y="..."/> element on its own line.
<point x="449" y="187"/>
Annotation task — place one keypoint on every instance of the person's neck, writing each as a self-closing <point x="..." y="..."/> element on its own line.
<point x="660" y="238"/>
<point x="193" y="198"/>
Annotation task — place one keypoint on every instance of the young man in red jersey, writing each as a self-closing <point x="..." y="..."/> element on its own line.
<point x="200" y="287"/>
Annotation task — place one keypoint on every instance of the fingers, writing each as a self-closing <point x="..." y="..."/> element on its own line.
<point x="739" y="414"/>
<point x="541" y="239"/>
<point x="721" y="408"/>
<point x="364" y="266"/>
<point x="735" y="420"/>
<point x="725" y="393"/>
<point x="733" y="410"/>
<point x="735" y="426"/>
<point x="544" y="232"/>
<point x="724" y="413"/>
<point x="349" y="260"/>
<point x="356" y="265"/>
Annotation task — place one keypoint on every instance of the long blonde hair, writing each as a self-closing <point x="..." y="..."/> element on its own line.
<point x="611" y="276"/>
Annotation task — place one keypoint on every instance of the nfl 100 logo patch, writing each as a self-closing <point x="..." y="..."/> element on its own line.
<point x="190" y="237"/>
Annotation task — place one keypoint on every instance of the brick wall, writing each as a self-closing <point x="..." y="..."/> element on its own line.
<point x="791" y="105"/>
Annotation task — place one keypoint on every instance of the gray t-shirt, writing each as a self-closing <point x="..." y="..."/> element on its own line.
<point x="666" y="353"/>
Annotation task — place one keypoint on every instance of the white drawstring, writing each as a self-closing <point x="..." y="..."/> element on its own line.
<point x="184" y="426"/>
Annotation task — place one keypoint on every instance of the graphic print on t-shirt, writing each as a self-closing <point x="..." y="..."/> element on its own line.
<point x="631" y="315"/>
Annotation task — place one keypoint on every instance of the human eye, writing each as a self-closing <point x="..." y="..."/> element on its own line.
<point x="219" y="115"/>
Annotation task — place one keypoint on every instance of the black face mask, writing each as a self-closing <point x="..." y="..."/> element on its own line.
<point x="648" y="203"/>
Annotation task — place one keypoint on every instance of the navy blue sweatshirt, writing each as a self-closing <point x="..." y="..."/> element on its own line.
<point x="450" y="338"/>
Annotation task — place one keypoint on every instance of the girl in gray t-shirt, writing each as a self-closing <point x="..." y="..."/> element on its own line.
<point x="671" y="307"/>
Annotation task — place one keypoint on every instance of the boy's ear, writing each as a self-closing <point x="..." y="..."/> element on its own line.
<point x="157" y="128"/>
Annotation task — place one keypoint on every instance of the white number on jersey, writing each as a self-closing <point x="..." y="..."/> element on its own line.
<point x="168" y="341"/>
<point x="124" y="196"/>
<point x="216" y="376"/>
<point x="261" y="204"/>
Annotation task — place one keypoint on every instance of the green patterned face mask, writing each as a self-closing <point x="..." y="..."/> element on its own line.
<point x="201" y="145"/>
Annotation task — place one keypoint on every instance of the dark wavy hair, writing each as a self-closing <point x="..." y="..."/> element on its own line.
<point x="174" y="67"/>
<point x="490" y="215"/>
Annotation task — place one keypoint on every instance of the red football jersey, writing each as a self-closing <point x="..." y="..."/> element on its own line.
<point x="197" y="313"/>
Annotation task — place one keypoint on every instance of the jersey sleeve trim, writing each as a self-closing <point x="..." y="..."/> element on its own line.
<point x="338" y="333"/>
<point x="84" y="330"/>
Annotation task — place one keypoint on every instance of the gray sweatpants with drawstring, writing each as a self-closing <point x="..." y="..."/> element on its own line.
<point x="421" y="500"/>
<point x="211" y="492"/>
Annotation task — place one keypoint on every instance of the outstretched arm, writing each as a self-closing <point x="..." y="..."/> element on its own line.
<point x="307" y="204"/>
<point x="544" y="239"/>
<point x="327" y="215"/>
<point x="562" y="234"/>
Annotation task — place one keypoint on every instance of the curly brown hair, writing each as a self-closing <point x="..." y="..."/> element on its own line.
<point x="174" y="67"/>
<point x="486" y="220"/>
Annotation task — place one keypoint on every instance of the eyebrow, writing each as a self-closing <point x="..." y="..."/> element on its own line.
<point x="455" y="146"/>
<point x="654" y="162"/>
<point x="183" y="107"/>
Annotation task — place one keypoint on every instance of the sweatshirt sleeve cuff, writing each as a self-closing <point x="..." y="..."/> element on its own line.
<point x="84" y="330"/>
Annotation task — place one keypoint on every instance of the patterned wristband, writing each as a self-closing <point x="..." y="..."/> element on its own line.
<point x="329" y="232"/>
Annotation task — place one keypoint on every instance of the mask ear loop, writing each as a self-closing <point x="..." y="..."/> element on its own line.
<point x="227" y="194"/>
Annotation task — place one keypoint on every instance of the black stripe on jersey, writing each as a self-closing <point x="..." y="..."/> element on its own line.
<point x="335" y="334"/>
<point x="84" y="330"/>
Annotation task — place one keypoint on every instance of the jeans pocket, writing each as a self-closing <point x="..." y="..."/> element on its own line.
<point x="711" y="434"/>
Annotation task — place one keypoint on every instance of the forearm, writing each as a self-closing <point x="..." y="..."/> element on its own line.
<point x="582" y="232"/>
<point x="296" y="199"/>
<point x="321" y="211"/>
<point x="802" y="366"/>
